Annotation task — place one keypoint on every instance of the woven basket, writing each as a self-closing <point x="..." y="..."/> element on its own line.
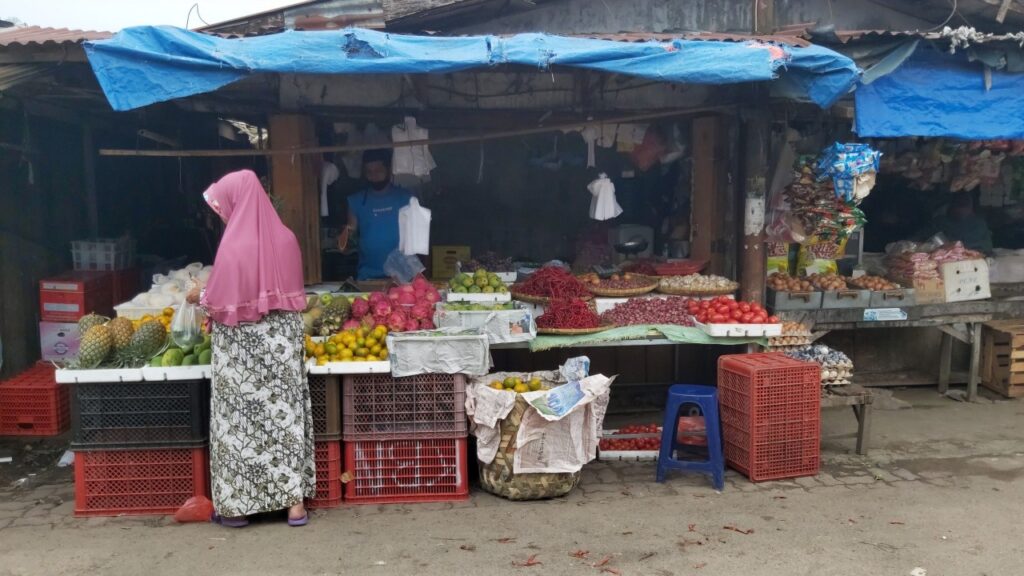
<point x="543" y="300"/>
<point x="697" y="293"/>
<point x="573" y="331"/>
<point x="623" y="292"/>
<point x="498" y="478"/>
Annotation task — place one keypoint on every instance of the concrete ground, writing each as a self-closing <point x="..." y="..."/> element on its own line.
<point x="942" y="493"/>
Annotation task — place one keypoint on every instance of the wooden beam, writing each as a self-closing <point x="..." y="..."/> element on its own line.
<point x="764" y="17"/>
<point x="294" y="182"/>
<point x="706" y="220"/>
<point x="479" y="137"/>
<point x="753" y="260"/>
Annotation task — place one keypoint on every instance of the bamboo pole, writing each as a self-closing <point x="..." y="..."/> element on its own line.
<point x="431" y="142"/>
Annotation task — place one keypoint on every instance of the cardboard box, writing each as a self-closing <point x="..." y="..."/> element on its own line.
<point x="927" y="291"/>
<point x="445" y="258"/>
<point x="58" y="340"/>
<point x="70" y="296"/>
<point x="966" y="280"/>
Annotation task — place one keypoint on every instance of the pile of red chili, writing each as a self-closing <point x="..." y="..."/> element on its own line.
<point x="568" y="314"/>
<point x="552" y="282"/>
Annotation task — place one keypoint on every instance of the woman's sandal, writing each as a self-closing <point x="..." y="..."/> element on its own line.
<point x="229" y="522"/>
<point x="299" y="521"/>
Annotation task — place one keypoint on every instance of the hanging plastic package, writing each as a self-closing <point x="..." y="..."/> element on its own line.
<point x="402" y="268"/>
<point x="414" y="229"/>
<point x="852" y="168"/>
<point x="603" y="205"/>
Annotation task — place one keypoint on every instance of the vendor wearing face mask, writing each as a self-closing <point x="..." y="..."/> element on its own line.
<point x="373" y="214"/>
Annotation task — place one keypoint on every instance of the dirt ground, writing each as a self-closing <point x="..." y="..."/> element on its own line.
<point x="942" y="493"/>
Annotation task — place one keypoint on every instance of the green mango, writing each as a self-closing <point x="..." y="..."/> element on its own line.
<point x="205" y="357"/>
<point x="189" y="360"/>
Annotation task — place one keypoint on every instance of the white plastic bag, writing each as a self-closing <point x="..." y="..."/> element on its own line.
<point x="414" y="229"/>
<point x="402" y="268"/>
<point x="187" y="326"/>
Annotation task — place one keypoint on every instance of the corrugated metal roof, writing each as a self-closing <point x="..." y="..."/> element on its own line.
<point x="39" y="36"/>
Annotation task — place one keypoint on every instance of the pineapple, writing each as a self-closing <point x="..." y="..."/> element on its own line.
<point x="149" y="339"/>
<point x="122" y="330"/>
<point x="89" y="320"/>
<point x="96" y="345"/>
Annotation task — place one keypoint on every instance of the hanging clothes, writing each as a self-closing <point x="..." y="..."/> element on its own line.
<point x="603" y="205"/>
<point x="415" y="160"/>
<point x="328" y="175"/>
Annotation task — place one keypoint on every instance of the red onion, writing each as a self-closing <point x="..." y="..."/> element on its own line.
<point x="671" y="310"/>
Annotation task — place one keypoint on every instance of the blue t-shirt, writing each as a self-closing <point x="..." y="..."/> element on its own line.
<point x="377" y="223"/>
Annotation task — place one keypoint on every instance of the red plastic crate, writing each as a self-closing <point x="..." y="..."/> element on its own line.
<point x="402" y="471"/>
<point x="72" y="295"/>
<point x="33" y="404"/>
<point x="379" y="407"/>
<point x="139" y="482"/>
<point x="770" y="407"/>
<point x="328" y="475"/>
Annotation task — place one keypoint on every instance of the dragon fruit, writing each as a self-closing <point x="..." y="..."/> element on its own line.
<point x="368" y="322"/>
<point x="360" y="308"/>
<point x="432" y="296"/>
<point x="420" y="311"/>
<point x="427" y="324"/>
<point x="407" y="299"/>
<point x="396" y="322"/>
<point x="419" y="282"/>
<point x="411" y="325"/>
<point x="350" y="324"/>
<point x="382" y="308"/>
<point x="377" y="297"/>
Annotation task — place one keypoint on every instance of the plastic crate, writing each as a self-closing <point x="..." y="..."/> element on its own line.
<point x="770" y="407"/>
<point x="325" y="395"/>
<point x="130" y="415"/>
<point x="380" y="407"/>
<point x="138" y="482"/>
<point x="405" y="471"/>
<point x="68" y="297"/>
<point x="32" y="404"/>
<point x="328" y="475"/>
<point x="103" y="254"/>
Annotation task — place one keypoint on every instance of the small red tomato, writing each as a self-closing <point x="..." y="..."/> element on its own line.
<point x="733" y="305"/>
<point x="745" y="306"/>
<point x="747" y="318"/>
<point x="755" y="307"/>
<point x="773" y="319"/>
<point x="737" y="314"/>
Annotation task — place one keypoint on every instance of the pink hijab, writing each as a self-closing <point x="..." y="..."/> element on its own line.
<point x="259" y="265"/>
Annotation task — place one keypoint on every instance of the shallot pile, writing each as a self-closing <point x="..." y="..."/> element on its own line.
<point x="568" y="314"/>
<point x="671" y="310"/>
<point x="552" y="282"/>
<point x="697" y="283"/>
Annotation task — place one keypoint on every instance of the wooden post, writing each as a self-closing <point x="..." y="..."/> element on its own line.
<point x="706" y="218"/>
<point x="294" y="182"/>
<point x="753" y="261"/>
<point x="764" y="16"/>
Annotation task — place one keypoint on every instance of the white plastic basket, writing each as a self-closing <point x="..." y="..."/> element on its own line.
<point x="133" y="312"/>
<point x="103" y="254"/>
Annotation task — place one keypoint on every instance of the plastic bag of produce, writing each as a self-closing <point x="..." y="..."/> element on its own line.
<point x="187" y="326"/>
<point x="195" y="509"/>
<point x="778" y="257"/>
<point x="402" y="268"/>
<point x="818" y="255"/>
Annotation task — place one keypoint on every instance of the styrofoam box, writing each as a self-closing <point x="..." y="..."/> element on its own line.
<point x="98" y="376"/>
<point x="966" y="280"/>
<point x="740" y="330"/>
<point x="133" y="312"/>
<point x="479" y="298"/>
<point x="153" y="374"/>
<point x="350" y="368"/>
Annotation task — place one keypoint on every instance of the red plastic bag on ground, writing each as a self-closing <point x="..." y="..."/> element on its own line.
<point x="195" y="509"/>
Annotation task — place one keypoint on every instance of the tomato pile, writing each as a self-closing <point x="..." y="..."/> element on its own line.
<point x="725" y="310"/>
<point x="652" y="443"/>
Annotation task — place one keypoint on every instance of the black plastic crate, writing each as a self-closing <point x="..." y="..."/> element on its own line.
<point x="139" y="414"/>
<point x="325" y="397"/>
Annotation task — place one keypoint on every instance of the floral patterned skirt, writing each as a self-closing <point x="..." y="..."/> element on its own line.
<point x="261" y="422"/>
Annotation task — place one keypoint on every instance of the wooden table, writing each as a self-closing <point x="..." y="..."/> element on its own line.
<point x="960" y="320"/>
<point x="860" y="400"/>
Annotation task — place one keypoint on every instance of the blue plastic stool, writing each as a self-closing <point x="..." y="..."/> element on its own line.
<point x="706" y="398"/>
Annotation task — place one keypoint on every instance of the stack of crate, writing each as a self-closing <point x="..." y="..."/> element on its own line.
<point x="140" y="446"/>
<point x="325" y="395"/>
<point x="405" y="438"/>
<point x="32" y="404"/>
<point x="1002" y="357"/>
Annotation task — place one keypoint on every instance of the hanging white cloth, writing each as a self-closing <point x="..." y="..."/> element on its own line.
<point x="603" y="205"/>
<point x="414" y="229"/>
<point x="415" y="160"/>
<point x="328" y="175"/>
<point x="590" y="135"/>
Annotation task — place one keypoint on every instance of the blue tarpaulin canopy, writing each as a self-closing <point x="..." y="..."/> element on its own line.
<point x="941" y="95"/>
<point x="145" y="65"/>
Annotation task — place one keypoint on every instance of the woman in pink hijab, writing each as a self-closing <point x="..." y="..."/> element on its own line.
<point x="261" y="428"/>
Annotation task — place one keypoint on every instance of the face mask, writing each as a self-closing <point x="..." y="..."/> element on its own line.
<point x="378" y="186"/>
